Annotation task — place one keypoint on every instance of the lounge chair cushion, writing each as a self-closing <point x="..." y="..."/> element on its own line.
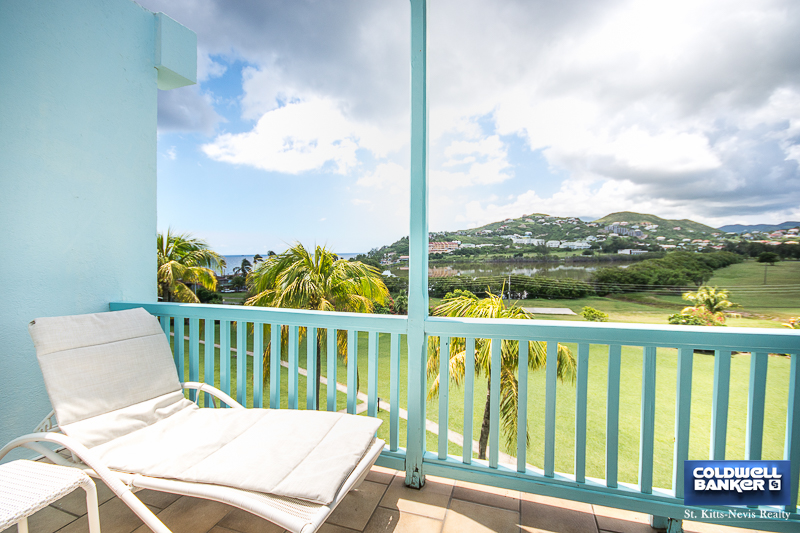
<point x="297" y="454"/>
<point x="98" y="363"/>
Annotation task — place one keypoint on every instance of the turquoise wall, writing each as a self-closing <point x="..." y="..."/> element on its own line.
<point x="78" y="87"/>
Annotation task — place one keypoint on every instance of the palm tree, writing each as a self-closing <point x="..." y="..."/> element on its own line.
<point x="299" y="280"/>
<point x="711" y="299"/>
<point x="185" y="260"/>
<point x="467" y="304"/>
<point x="244" y="269"/>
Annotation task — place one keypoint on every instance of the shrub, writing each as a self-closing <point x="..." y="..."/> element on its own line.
<point x="594" y="315"/>
<point x="697" y="316"/>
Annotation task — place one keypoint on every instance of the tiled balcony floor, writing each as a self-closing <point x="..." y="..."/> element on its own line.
<point x="381" y="504"/>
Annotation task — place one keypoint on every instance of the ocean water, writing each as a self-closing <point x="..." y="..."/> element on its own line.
<point x="233" y="261"/>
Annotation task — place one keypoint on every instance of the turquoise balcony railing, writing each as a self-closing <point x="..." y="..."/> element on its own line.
<point x="379" y="372"/>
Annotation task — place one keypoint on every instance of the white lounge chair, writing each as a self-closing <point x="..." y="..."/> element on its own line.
<point x="122" y="413"/>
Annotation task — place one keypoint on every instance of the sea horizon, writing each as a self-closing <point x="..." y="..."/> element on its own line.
<point x="234" y="260"/>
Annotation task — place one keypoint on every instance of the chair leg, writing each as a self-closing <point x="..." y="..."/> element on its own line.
<point x="92" y="510"/>
<point x="22" y="526"/>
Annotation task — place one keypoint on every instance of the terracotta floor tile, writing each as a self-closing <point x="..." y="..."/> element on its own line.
<point x="485" y="495"/>
<point x="154" y="498"/>
<point x="46" y="520"/>
<point x="393" y="521"/>
<point x="430" y="501"/>
<point x="620" y="521"/>
<point x="191" y="515"/>
<point x="380" y="474"/>
<point x="558" y="502"/>
<point x="115" y="517"/>
<point x="471" y="517"/>
<point x="245" y="522"/>
<point x="357" y="507"/>
<point x="333" y="528"/>
<point x="541" y="517"/>
<point x="75" y="502"/>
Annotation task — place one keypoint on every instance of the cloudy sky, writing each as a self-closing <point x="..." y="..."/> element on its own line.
<point x="298" y="128"/>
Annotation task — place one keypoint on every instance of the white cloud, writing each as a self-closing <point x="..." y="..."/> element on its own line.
<point x="292" y="139"/>
<point x="172" y="153"/>
<point x="207" y="68"/>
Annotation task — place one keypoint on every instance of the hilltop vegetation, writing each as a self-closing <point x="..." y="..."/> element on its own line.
<point x="539" y="234"/>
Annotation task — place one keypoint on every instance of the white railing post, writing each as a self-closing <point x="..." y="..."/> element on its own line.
<point x="417" y="248"/>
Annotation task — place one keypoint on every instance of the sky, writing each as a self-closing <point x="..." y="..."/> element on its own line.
<point x="298" y="129"/>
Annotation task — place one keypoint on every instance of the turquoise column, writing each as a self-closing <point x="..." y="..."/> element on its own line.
<point x="418" y="248"/>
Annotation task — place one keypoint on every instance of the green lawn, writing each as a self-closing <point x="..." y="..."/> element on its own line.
<point x="630" y="405"/>
<point x="763" y="306"/>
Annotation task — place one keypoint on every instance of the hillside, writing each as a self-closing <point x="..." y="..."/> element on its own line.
<point x="641" y="230"/>
<point x="766" y="228"/>
<point x="643" y="219"/>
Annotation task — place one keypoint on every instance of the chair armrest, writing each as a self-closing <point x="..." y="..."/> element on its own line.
<point x="213" y="391"/>
<point x="95" y="467"/>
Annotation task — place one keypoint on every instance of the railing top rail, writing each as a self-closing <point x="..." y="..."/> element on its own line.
<point x="271" y="315"/>
<point x="665" y="336"/>
<point x="700" y="337"/>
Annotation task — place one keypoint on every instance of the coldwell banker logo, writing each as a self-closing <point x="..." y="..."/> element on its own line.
<point x="736" y="482"/>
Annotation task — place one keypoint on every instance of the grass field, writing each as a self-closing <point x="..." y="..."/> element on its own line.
<point x="762" y="306"/>
<point x="630" y="407"/>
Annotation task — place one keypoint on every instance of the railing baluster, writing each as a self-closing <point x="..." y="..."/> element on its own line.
<point x="275" y="366"/>
<point x="225" y="357"/>
<point x="719" y="404"/>
<point x="208" y="360"/>
<point x="550" y="408"/>
<point x="294" y="364"/>
<point x="791" y="448"/>
<point x="166" y="322"/>
<point x="444" y="393"/>
<point x="612" y="414"/>
<point x="522" y="407"/>
<point x="258" y="365"/>
<point x="241" y="362"/>
<point x="469" y="401"/>
<point x="755" y="405"/>
<point x="178" y="343"/>
<point x="372" y="371"/>
<point x="494" y="404"/>
<point x="683" y="417"/>
<point x="194" y="354"/>
<point x="648" y="423"/>
<point x="352" y="371"/>
<point x="581" y="403"/>
<point x="394" y="384"/>
<point x="311" y="368"/>
<point x="332" y="360"/>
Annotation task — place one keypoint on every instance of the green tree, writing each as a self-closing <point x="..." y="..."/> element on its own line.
<point x="768" y="257"/>
<point x="468" y="305"/>
<point x="238" y="283"/>
<point x="320" y="281"/>
<point x="182" y="261"/>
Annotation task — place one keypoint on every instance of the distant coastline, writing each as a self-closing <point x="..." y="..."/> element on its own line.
<point x="233" y="261"/>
